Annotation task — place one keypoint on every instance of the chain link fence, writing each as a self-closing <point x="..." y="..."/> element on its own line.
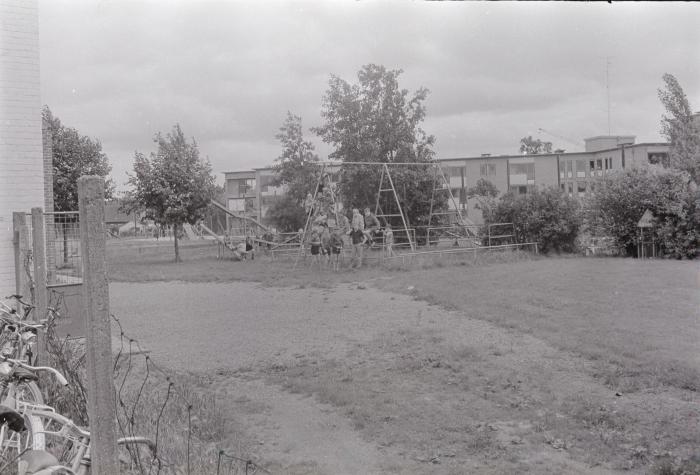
<point x="64" y="262"/>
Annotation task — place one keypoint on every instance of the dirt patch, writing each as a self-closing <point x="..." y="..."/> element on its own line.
<point x="398" y="385"/>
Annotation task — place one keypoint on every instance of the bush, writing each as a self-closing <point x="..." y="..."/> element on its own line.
<point x="547" y="216"/>
<point x="286" y="215"/>
<point x="621" y="199"/>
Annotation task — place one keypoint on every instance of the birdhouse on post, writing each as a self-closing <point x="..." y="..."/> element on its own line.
<point x="646" y="242"/>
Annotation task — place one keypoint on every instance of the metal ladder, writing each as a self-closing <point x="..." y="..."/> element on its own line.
<point x="379" y="213"/>
<point x="442" y="184"/>
<point x="323" y="176"/>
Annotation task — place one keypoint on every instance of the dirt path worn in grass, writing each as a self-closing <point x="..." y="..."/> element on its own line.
<point x="355" y="380"/>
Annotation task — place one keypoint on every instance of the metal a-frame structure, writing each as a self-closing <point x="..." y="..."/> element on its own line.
<point x="383" y="181"/>
<point x="441" y="185"/>
<point x="380" y="213"/>
<point x="324" y="176"/>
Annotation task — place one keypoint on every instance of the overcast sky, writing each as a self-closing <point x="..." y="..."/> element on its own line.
<point x="229" y="71"/>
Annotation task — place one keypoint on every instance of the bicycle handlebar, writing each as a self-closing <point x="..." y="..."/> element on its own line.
<point x="61" y="379"/>
<point x="138" y="440"/>
<point x="18" y="298"/>
<point x="12" y="321"/>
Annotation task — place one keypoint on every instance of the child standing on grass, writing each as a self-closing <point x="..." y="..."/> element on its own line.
<point x="389" y="240"/>
<point x="358" y="241"/>
<point x="315" y="243"/>
<point x="336" y="248"/>
<point x="326" y="245"/>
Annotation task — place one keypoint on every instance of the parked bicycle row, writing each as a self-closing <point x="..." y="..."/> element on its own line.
<point x="34" y="438"/>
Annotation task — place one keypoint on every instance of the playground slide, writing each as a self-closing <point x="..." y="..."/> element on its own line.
<point x="212" y="233"/>
<point x="239" y="216"/>
<point x="191" y="235"/>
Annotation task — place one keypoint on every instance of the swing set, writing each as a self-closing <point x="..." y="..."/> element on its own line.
<point x="388" y="205"/>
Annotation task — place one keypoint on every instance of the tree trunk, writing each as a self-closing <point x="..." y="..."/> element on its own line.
<point x="177" y="249"/>
<point x="64" y="227"/>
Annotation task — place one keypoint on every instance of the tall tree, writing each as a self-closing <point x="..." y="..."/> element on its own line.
<point x="377" y="121"/>
<point x="74" y="155"/>
<point x="174" y="185"/>
<point x="296" y="168"/>
<point x="530" y="146"/>
<point x="678" y="126"/>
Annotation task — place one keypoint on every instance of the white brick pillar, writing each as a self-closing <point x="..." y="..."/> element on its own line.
<point x="21" y="154"/>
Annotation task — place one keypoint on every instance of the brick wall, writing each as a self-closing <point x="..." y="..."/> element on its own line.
<point x="21" y="155"/>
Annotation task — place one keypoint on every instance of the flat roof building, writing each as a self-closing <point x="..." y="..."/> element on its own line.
<point x="573" y="173"/>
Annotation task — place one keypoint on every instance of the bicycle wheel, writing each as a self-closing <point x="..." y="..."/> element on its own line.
<point x="29" y="392"/>
<point x="13" y="444"/>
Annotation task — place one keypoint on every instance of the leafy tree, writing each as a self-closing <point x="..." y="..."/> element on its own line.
<point x="174" y="185"/>
<point x="622" y="198"/>
<point x="678" y="126"/>
<point x="530" y="146"/>
<point x="296" y="168"/>
<point x="377" y="121"/>
<point x="485" y="194"/>
<point x="286" y="214"/>
<point x="483" y="188"/>
<point x="73" y="155"/>
<point x="547" y="216"/>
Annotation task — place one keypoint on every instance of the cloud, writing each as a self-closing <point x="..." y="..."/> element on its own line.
<point x="229" y="71"/>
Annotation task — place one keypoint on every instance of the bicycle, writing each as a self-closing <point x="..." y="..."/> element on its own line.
<point x="66" y="447"/>
<point x="25" y="306"/>
<point x="17" y="337"/>
<point x="20" y="394"/>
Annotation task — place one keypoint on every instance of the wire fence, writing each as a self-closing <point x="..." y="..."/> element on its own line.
<point x="63" y="258"/>
<point x="185" y="424"/>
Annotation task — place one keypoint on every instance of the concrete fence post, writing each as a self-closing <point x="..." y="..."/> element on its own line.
<point x="41" y="292"/>
<point x="26" y="267"/>
<point x="18" y="220"/>
<point x="100" y="385"/>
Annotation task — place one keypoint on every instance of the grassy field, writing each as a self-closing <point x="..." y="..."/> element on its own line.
<point x="596" y="358"/>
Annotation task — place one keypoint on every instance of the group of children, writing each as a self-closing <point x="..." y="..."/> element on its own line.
<point x="361" y="232"/>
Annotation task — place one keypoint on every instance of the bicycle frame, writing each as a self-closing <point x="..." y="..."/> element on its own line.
<point x="76" y="440"/>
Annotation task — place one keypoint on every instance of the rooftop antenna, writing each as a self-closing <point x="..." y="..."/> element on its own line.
<point x="607" y="87"/>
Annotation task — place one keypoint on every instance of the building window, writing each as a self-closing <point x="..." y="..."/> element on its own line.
<point x="522" y="173"/>
<point x="660" y="158"/>
<point x="492" y="169"/>
<point x="580" y="169"/>
<point x="246" y="187"/>
<point x="581" y="188"/>
<point x="519" y="189"/>
<point x="570" y="188"/>
<point x="563" y="187"/>
<point x="266" y="182"/>
<point x="591" y="165"/>
<point x="460" y="193"/>
<point x="235" y="204"/>
<point x="569" y="169"/>
<point x="483" y="170"/>
<point x="454" y="172"/>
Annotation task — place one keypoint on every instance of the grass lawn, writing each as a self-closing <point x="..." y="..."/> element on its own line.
<point x="620" y="389"/>
<point x="642" y="318"/>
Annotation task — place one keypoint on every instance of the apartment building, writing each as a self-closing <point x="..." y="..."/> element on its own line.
<point x="573" y="173"/>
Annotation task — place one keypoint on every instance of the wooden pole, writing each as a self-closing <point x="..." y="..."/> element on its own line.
<point x="26" y="288"/>
<point x="18" y="220"/>
<point x="41" y="292"/>
<point x="100" y="386"/>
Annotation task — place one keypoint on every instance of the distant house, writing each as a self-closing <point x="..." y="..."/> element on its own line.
<point x="115" y="219"/>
